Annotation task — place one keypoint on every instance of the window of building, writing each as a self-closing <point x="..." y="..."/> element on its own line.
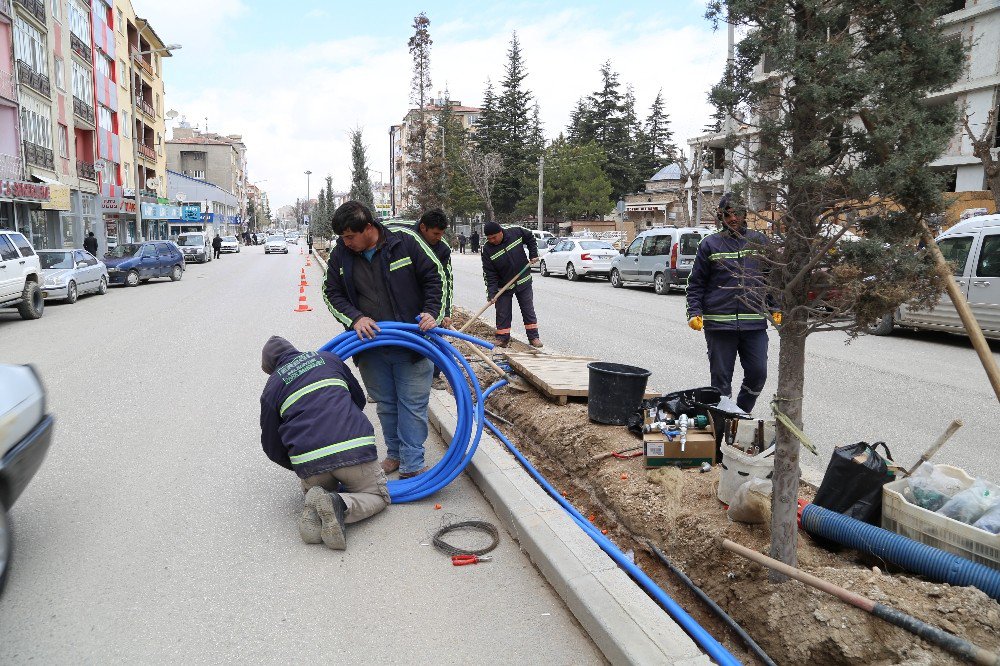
<point x="57" y="9"/>
<point x="83" y="83"/>
<point x="126" y="132"/>
<point x="156" y="63"/>
<point x="156" y="104"/>
<point x="29" y="46"/>
<point x="124" y="76"/>
<point x="79" y="20"/>
<point x="121" y="22"/>
<point x="105" y="118"/>
<point x="199" y="174"/>
<point x="106" y="66"/>
<point x="36" y="121"/>
<point x="60" y="74"/>
<point x="128" y="175"/>
<point x="63" y="141"/>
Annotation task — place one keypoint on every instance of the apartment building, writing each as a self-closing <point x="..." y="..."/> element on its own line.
<point x="218" y="207"/>
<point x="214" y="158"/>
<point x="401" y="152"/>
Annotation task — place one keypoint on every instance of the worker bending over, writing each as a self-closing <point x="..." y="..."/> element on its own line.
<point x="504" y="259"/>
<point x="311" y="422"/>
<point x="727" y="297"/>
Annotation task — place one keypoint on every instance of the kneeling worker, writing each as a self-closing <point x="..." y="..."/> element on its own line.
<point x="311" y="423"/>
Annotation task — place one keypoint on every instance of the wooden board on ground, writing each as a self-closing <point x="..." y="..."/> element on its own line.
<point x="558" y="378"/>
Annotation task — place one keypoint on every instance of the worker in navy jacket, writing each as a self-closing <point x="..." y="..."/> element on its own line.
<point x="727" y="297"/>
<point x="311" y="423"/>
<point x="504" y="259"/>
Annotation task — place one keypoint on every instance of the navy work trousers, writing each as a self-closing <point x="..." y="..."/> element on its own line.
<point x="751" y="346"/>
<point x="505" y="313"/>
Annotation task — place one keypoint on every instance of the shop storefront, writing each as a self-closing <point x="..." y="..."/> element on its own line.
<point x="119" y="221"/>
<point x="156" y="220"/>
<point x="20" y="209"/>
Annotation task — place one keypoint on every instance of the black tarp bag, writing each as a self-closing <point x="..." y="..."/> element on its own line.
<point x="853" y="481"/>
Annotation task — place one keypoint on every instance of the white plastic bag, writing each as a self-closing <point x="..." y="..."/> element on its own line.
<point x="990" y="521"/>
<point x="970" y="504"/>
<point x="931" y="487"/>
<point x="751" y="502"/>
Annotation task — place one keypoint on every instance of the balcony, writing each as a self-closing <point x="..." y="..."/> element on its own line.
<point x="146" y="108"/>
<point x="81" y="48"/>
<point x="8" y="86"/>
<point x="84" y="111"/>
<point x="34" y="7"/>
<point x="33" y="79"/>
<point x="86" y="170"/>
<point x="143" y="65"/>
<point x="39" y="156"/>
<point x="147" y="152"/>
<point x="10" y="167"/>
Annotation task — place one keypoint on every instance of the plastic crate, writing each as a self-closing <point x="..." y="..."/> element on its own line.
<point x="902" y="517"/>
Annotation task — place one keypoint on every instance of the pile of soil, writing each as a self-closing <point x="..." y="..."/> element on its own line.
<point x="679" y="512"/>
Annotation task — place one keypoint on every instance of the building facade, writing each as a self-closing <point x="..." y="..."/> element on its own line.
<point x="218" y="207"/>
<point x="214" y="158"/>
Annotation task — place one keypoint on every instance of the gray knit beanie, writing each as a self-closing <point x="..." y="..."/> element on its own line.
<point x="274" y="349"/>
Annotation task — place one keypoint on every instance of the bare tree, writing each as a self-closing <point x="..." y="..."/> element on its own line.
<point x="692" y="174"/>
<point x="983" y="148"/>
<point x="483" y="169"/>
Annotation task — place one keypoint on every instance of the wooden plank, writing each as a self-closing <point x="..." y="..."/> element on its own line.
<point x="556" y="377"/>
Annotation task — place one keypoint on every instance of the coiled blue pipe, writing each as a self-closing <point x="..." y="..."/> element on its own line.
<point x="702" y="638"/>
<point x="468" y="397"/>
<point x="919" y="558"/>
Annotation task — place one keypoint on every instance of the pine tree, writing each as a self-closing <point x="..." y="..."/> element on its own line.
<point x="661" y="147"/>
<point x="459" y="198"/>
<point x="425" y="164"/>
<point x="361" y="185"/>
<point x="580" y="130"/>
<point x="606" y="116"/>
<point x="488" y="125"/>
<point x="638" y="168"/>
<point x="513" y="111"/>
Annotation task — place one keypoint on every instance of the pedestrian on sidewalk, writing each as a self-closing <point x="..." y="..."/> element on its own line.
<point x="377" y="274"/>
<point x="461" y="243"/>
<point x="474" y="242"/>
<point x="217" y="247"/>
<point x="90" y="243"/>
<point x="311" y="422"/>
<point x="504" y="259"/>
<point x="727" y="297"/>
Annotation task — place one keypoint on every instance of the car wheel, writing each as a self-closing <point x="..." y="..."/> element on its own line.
<point x="102" y="288"/>
<point x="71" y="293"/>
<point x="884" y="326"/>
<point x="32" y="303"/>
<point x="660" y="285"/>
<point x="176" y="274"/>
<point x="616" y="279"/>
<point x="571" y="273"/>
<point x="6" y="547"/>
<point x="132" y="279"/>
<point x="543" y="269"/>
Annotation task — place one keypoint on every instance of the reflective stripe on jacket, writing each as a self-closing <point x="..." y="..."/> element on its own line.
<point x="501" y="262"/>
<point x="727" y="287"/>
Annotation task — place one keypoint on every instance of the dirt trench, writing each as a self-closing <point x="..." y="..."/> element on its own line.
<point x="679" y="512"/>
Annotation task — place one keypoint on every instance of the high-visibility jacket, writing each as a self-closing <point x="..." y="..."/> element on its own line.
<point x="504" y="260"/>
<point x="727" y="287"/>
<point x="443" y="253"/>
<point x="310" y="415"/>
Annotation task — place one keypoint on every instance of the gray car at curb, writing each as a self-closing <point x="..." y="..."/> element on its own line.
<point x="69" y="274"/>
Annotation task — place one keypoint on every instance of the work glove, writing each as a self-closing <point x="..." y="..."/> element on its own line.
<point x="696" y="323"/>
<point x="776" y="316"/>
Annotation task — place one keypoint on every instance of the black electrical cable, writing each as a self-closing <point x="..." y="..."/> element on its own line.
<point x="480" y="525"/>
<point x="729" y="622"/>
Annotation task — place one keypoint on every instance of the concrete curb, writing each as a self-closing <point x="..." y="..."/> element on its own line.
<point x="627" y="626"/>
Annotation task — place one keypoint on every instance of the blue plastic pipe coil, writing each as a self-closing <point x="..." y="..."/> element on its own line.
<point x="914" y="556"/>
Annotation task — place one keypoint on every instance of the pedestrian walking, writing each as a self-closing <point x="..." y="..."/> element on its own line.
<point x="311" y="422"/>
<point x="377" y="274"/>
<point x="217" y="247"/>
<point x="504" y="259"/>
<point x="90" y="243"/>
<point x="727" y="298"/>
<point x="309" y="241"/>
<point x="474" y="242"/>
<point x="461" y="243"/>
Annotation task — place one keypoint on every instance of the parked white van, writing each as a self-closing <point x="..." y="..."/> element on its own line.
<point x="973" y="248"/>
<point x="662" y="257"/>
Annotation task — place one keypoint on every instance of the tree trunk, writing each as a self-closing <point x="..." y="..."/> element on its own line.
<point x="784" y="498"/>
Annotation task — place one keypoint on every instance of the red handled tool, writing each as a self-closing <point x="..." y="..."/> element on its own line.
<point x="462" y="560"/>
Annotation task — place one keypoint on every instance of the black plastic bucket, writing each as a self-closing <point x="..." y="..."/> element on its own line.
<point x="615" y="391"/>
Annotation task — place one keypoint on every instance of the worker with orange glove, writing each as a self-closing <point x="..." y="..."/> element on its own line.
<point x="727" y="298"/>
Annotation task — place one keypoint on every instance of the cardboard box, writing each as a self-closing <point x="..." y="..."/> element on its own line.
<point x="658" y="451"/>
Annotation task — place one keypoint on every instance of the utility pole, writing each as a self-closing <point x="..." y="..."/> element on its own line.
<point x="541" y="190"/>
<point x="307" y="209"/>
<point x="728" y="171"/>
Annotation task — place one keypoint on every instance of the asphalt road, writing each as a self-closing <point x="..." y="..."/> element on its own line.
<point x="903" y="389"/>
<point x="158" y="532"/>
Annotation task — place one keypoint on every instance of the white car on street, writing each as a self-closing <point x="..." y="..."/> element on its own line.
<point x="68" y="274"/>
<point x="20" y="276"/>
<point x="292" y="238"/>
<point x="229" y="244"/>
<point x="578" y="257"/>
<point x="275" y="244"/>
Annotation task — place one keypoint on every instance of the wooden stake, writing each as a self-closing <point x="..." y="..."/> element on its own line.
<point x="493" y="300"/>
<point x="929" y="453"/>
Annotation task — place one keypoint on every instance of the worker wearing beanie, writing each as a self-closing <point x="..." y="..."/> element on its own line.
<point x="727" y="297"/>
<point x="311" y="423"/>
<point x="503" y="259"/>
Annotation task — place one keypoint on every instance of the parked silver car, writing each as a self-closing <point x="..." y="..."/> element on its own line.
<point x="196" y="246"/>
<point x="662" y="257"/>
<point x="69" y="274"/>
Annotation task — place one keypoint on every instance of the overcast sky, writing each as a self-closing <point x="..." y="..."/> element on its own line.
<point x="294" y="76"/>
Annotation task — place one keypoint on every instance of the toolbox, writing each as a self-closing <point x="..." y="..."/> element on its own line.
<point x="661" y="451"/>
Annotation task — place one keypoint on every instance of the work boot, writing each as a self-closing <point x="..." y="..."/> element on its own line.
<point x="331" y="510"/>
<point x="502" y="343"/>
<point x="310" y="525"/>
<point x="410" y="475"/>
<point x="390" y="465"/>
<point x="536" y="343"/>
<point x="440" y="383"/>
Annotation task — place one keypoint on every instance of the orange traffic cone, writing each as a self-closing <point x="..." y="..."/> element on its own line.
<point x="302" y="279"/>
<point x="303" y="305"/>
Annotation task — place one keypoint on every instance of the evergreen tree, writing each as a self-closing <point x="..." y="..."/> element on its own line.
<point x="459" y="198"/>
<point x="425" y="164"/>
<point x="320" y="223"/>
<point x="488" y="129"/>
<point x="604" y="123"/>
<point x="580" y="129"/>
<point x="576" y="185"/>
<point x="537" y="141"/>
<point x="513" y="112"/>
<point x="361" y="184"/>
<point x="661" y="148"/>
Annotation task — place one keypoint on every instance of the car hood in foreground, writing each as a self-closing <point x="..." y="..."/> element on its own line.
<point x="50" y="273"/>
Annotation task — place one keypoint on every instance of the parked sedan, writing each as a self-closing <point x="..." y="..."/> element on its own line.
<point x="68" y="274"/>
<point x="24" y="441"/>
<point x="230" y="244"/>
<point x="133" y="263"/>
<point x="275" y="244"/>
<point x="577" y="257"/>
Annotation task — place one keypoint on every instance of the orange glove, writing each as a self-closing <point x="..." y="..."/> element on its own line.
<point x="776" y="316"/>
<point x="696" y="323"/>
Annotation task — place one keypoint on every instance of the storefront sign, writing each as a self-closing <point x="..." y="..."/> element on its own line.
<point x="59" y="198"/>
<point x="19" y="190"/>
<point x="114" y="205"/>
<point x="153" y="211"/>
<point x="112" y="228"/>
<point x="191" y="213"/>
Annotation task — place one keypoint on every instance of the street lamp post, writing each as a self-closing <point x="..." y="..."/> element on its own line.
<point x="306" y="208"/>
<point x="135" y="135"/>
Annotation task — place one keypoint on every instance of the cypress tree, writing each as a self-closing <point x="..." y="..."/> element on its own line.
<point x="361" y="185"/>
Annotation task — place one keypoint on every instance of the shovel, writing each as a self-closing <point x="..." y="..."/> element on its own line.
<point x="493" y="300"/>
<point x="512" y="381"/>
